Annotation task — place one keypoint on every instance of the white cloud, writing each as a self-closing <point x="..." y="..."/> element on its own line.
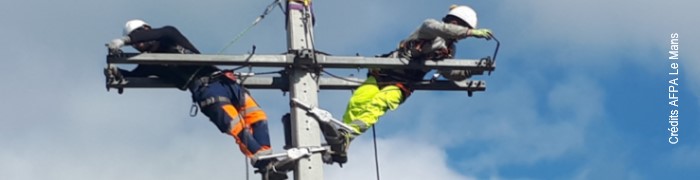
<point x="504" y="126"/>
<point x="690" y="66"/>
<point x="599" y="37"/>
<point x="683" y="157"/>
<point x="399" y="158"/>
<point x="60" y="124"/>
<point x="606" y="167"/>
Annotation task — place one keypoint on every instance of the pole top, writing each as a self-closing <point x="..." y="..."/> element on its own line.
<point x="305" y="2"/>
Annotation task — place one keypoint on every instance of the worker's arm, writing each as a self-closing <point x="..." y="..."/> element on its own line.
<point x="437" y="28"/>
<point x="167" y="33"/>
<point x="455" y="75"/>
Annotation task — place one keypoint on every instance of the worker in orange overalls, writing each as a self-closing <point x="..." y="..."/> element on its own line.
<point x="217" y="93"/>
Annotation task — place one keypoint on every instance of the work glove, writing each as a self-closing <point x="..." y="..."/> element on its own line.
<point x="115" y="45"/>
<point x="481" y="33"/>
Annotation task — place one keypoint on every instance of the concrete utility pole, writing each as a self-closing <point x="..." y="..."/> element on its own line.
<point x="302" y="78"/>
<point x="303" y="86"/>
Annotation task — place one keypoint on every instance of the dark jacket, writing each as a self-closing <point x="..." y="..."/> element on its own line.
<point x="168" y="40"/>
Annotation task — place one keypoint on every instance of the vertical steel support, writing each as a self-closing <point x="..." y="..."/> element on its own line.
<point x="303" y="86"/>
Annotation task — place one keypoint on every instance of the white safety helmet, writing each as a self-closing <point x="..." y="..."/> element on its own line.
<point x="465" y="13"/>
<point x="132" y="25"/>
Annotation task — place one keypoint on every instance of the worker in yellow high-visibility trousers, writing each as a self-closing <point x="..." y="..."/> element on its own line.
<point x="386" y="89"/>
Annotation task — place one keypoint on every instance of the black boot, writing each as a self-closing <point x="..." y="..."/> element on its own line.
<point x="113" y="76"/>
<point x="339" y="145"/>
<point x="268" y="172"/>
<point x="274" y="175"/>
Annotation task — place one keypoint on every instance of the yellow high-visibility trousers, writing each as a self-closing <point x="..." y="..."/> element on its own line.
<point x="368" y="103"/>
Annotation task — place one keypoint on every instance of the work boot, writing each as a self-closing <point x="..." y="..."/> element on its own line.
<point x="274" y="175"/>
<point x="113" y="75"/>
<point x="261" y="164"/>
<point x="339" y="146"/>
<point x="268" y="172"/>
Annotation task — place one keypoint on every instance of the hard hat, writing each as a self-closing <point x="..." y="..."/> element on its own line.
<point x="132" y="25"/>
<point x="465" y="13"/>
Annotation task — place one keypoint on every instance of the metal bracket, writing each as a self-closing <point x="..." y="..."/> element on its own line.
<point x="305" y="54"/>
<point x="285" y="160"/>
<point x="113" y="79"/>
<point x="295" y="153"/>
<point x="322" y="116"/>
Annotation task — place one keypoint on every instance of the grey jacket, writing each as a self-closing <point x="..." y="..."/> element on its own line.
<point x="439" y="32"/>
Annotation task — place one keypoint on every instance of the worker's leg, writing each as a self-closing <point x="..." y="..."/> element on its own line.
<point x="254" y="130"/>
<point x="241" y="132"/>
<point x="256" y="119"/>
<point x="340" y="142"/>
<point x="388" y="98"/>
<point x="228" y="118"/>
<point x="362" y="96"/>
<point x="216" y="110"/>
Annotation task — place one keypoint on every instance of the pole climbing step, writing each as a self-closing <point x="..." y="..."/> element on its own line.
<point x="330" y="127"/>
<point x="322" y="116"/>
<point x="285" y="161"/>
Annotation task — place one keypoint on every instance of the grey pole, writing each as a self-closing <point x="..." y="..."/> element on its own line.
<point x="303" y="86"/>
<point x="302" y="80"/>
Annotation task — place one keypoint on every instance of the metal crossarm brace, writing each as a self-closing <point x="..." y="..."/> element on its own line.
<point x="324" y="83"/>
<point x="287" y="60"/>
<point x="400" y="63"/>
<point x="284" y="160"/>
<point x="294" y="154"/>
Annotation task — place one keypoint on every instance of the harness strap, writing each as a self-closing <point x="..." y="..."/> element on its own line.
<point x="204" y="81"/>
<point x="406" y="91"/>
<point x="409" y="49"/>
<point x="213" y="100"/>
<point x="191" y="78"/>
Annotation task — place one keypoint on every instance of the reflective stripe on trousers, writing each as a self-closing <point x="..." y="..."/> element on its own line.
<point x="250" y="135"/>
<point x="242" y="119"/>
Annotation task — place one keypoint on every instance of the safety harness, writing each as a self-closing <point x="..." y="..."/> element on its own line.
<point x="413" y="51"/>
<point x="203" y="82"/>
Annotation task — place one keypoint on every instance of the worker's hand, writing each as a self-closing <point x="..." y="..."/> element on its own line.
<point x="115" y="44"/>
<point x="481" y="33"/>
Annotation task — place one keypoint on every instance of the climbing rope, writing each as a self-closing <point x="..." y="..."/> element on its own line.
<point x="361" y="82"/>
<point x="257" y="20"/>
<point x="374" y="132"/>
<point x="247" y="171"/>
<point x="308" y="18"/>
<point x="376" y="157"/>
<point x="340" y="77"/>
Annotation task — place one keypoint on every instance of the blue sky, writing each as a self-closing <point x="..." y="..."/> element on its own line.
<point x="580" y="92"/>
